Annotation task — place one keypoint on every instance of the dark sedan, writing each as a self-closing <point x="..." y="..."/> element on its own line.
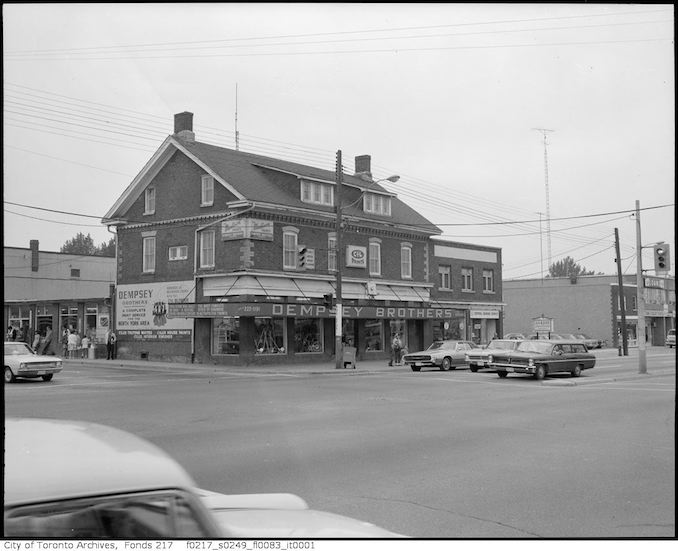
<point x="541" y="358"/>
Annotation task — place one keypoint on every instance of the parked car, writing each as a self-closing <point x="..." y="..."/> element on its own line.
<point x="77" y="480"/>
<point x="671" y="338"/>
<point x="590" y="342"/>
<point x="516" y="336"/>
<point x="441" y="354"/>
<point x="477" y="358"/>
<point x="541" y="358"/>
<point x="22" y="362"/>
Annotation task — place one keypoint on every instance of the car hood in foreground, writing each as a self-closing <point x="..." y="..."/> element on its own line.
<point x="282" y="516"/>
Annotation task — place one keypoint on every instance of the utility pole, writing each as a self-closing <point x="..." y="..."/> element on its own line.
<point x="338" y="326"/>
<point x="620" y="284"/>
<point x="237" y="134"/>
<point x="546" y="185"/>
<point x="642" y="354"/>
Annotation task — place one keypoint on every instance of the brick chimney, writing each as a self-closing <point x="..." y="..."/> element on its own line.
<point x="35" y="255"/>
<point x="363" y="166"/>
<point x="183" y="126"/>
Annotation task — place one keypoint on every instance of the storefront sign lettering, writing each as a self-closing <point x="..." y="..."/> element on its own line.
<point x="225" y="309"/>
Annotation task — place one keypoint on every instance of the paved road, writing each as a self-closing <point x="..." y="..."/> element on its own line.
<point x="428" y="454"/>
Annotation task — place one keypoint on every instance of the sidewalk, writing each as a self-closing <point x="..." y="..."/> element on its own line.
<point x="366" y="367"/>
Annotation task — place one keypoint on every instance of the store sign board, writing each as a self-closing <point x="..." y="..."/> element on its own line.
<point x="267" y="309"/>
<point x="247" y="228"/>
<point x="542" y="324"/>
<point x="356" y="257"/>
<point x="484" y="314"/>
<point x="141" y="311"/>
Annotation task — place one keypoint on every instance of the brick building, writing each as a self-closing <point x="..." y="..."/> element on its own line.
<point x="229" y="257"/>
<point x="590" y="304"/>
<point x="55" y="290"/>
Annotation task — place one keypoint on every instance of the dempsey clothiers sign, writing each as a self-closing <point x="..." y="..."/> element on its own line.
<point x="266" y="309"/>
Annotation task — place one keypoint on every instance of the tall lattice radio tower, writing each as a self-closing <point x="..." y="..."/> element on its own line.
<point x="545" y="132"/>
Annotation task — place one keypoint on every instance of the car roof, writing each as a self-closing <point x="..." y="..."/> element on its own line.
<point x="47" y="460"/>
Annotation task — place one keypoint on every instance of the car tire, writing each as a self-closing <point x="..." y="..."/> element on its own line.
<point x="48" y="377"/>
<point x="502" y="374"/>
<point x="415" y="368"/>
<point x="473" y="368"/>
<point x="540" y="372"/>
<point x="9" y="376"/>
<point x="447" y="364"/>
<point x="576" y="371"/>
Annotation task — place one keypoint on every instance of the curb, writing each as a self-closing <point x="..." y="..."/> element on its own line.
<point x="589" y="381"/>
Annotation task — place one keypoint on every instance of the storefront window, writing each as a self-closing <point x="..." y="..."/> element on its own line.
<point x="91" y="321"/>
<point x="348" y="332"/>
<point x="374" y="336"/>
<point x="451" y="328"/>
<point x="270" y="335"/>
<point x="226" y="336"/>
<point x="19" y="319"/>
<point x="308" y="336"/>
<point x="69" y="318"/>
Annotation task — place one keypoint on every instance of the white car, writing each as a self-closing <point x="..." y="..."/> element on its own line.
<point x="77" y="480"/>
<point x="21" y="361"/>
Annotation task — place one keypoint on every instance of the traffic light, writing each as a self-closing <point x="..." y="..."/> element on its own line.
<point x="302" y="257"/>
<point x="328" y="300"/>
<point x="662" y="260"/>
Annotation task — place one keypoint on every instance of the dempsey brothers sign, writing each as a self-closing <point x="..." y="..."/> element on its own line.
<point x="265" y="309"/>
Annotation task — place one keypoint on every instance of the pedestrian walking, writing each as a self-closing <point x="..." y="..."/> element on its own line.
<point x="72" y="344"/>
<point x="396" y="347"/>
<point x="46" y="343"/>
<point x="110" y="344"/>
<point x="84" y="347"/>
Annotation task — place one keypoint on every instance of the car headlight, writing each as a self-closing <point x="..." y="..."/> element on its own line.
<point x="530" y="362"/>
<point x="22" y="366"/>
<point x="58" y="364"/>
<point x="466" y="358"/>
<point x="489" y="359"/>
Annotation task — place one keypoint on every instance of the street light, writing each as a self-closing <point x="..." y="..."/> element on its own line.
<point x="338" y="325"/>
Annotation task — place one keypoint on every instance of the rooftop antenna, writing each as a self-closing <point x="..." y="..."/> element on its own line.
<point x="237" y="134"/>
<point x="544" y="132"/>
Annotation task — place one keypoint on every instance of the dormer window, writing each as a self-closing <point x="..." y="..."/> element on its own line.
<point x="377" y="204"/>
<point x="207" y="191"/>
<point x="317" y="193"/>
<point x="149" y="200"/>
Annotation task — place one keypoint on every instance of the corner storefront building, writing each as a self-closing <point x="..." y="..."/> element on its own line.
<point x="228" y="257"/>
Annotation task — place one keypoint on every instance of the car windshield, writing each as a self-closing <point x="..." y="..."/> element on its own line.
<point x="535" y="346"/>
<point x="442" y="344"/>
<point x="501" y="345"/>
<point x="16" y="348"/>
<point x="568" y="336"/>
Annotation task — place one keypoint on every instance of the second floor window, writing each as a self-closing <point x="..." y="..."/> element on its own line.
<point x="207" y="191"/>
<point x="178" y="253"/>
<point x="290" y="249"/>
<point x="149" y="200"/>
<point x="375" y="258"/>
<point x="148" y="253"/>
<point x="317" y="193"/>
<point x="444" y="273"/>
<point x="207" y="249"/>
<point x="467" y="279"/>
<point x="406" y="261"/>
<point x="488" y="281"/>
<point x="332" y="253"/>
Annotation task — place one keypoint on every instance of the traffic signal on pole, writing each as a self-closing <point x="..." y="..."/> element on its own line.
<point x="302" y="257"/>
<point x="662" y="260"/>
<point x="328" y="300"/>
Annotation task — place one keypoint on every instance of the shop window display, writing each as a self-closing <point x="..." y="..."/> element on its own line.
<point x="452" y="328"/>
<point x="374" y="335"/>
<point x="400" y="327"/>
<point x="270" y="335"/>
<point x="308" y="336"/>
<point x="226" y="336"/>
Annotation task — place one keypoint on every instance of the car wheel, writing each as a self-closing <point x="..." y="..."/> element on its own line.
<point x="9" y="376"/>
<point x="540" y="373"/>
<point x="576" y="371"/>
<point x="502" y="374"/>
<point x="415" y="368"/>
<point x="473" y="368"/>
<point x="48" y="377"/>
<point x="447" y="364"/>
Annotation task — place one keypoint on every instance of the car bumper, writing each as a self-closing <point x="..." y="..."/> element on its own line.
<point x="36" y="371"/>
<point x="514" y="368"/>
<point x="423" y="363"/>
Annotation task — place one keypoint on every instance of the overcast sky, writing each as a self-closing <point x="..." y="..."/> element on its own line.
<point x="448" y="96"/>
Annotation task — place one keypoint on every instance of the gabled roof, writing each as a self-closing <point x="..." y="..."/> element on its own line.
<point x="248" y="177"/>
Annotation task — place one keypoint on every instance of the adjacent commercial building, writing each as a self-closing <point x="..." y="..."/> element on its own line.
<point x="48" y="290"/>
<point x="231" y="258"/>
<point x="591" y="305"/>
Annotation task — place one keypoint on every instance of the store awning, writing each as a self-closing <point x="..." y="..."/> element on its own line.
<point x="270" y="286"/>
